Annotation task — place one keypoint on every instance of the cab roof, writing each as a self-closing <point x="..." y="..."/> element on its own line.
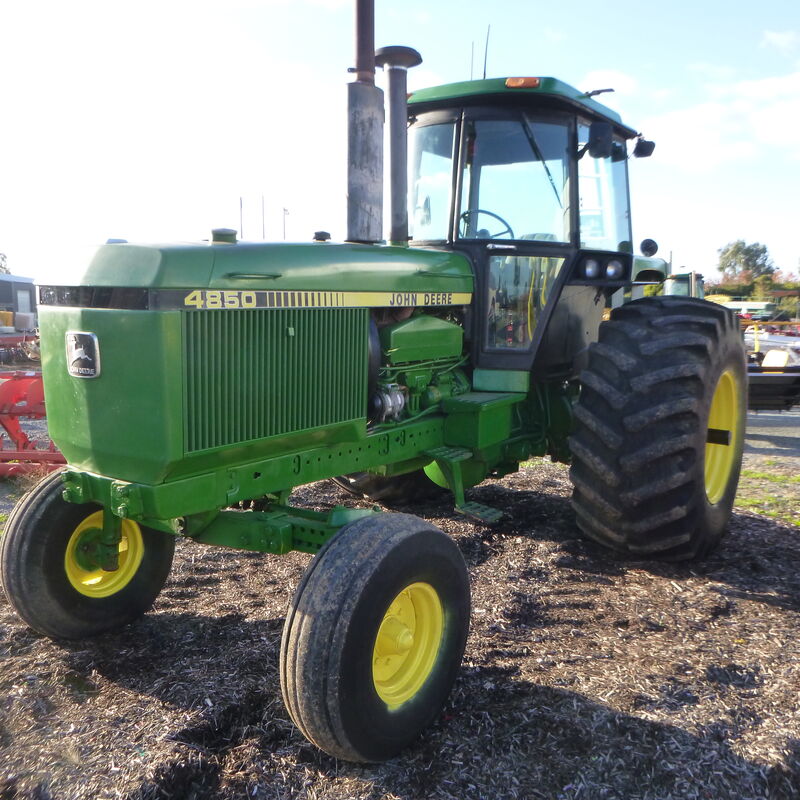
<point x="550" y="90"/>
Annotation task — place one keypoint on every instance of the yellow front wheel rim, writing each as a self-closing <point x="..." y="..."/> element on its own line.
<point x="407" y="644"/>
<point x="95" y="582"/>
<point x="724" y="422"/>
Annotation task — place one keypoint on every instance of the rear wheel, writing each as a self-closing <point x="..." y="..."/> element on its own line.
<point x="659" y="428"/>
<point x="374" y="636"/>
<point x="51" y="579"/>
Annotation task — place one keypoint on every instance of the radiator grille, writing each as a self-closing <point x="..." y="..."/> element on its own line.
<point x="258" y="373"/>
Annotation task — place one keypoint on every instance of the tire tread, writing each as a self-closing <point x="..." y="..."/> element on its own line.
<point x="638" y="442"/>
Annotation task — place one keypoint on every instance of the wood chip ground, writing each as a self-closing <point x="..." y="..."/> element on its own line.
<point x="585" y="677"/>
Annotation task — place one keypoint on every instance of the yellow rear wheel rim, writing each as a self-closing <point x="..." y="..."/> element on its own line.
<point x="725" y="416"/>
<point x="407" y="644"/>
<point x="95" y="582"/>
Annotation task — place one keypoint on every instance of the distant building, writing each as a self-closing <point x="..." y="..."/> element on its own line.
<point x="751" y="306"/>
<point x="17" y="294"/>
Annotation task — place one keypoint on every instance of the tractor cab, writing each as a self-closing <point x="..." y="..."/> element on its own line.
<point x="528" y="178"/>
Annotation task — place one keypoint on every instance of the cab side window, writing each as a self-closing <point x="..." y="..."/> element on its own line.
<point x="518" y="290"/>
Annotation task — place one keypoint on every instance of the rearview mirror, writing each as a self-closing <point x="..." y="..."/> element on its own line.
<point x="644" y="148"/>
<point x="600" y="139"/>
<point x="618" y="151"/>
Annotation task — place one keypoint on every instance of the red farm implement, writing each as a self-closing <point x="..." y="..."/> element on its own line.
<point x="22" y="396"/>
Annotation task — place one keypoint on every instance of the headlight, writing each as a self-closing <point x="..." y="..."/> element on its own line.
<point x="615" y="269"/>
<point x="591" y="268"/>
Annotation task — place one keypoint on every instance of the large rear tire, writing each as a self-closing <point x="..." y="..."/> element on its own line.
<point x="659" y="428"/>
<point x="374" y="636"/>
<point x="49" y="580"/>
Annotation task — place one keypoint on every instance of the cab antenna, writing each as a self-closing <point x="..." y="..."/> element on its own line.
<point x="486" y="50"/>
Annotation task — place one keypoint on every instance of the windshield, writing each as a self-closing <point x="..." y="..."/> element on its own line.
<point x="516" y="180"/>
<point x="515" y="183"/>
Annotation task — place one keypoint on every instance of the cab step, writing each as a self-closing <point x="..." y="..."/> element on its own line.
<point x="479" y="512"/>
<point x="449" y="454"/>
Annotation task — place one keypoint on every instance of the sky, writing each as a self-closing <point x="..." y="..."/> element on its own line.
<point x="149" y="120"/>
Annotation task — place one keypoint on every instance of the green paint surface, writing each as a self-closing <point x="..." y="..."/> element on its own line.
<point x="246" y="265"/>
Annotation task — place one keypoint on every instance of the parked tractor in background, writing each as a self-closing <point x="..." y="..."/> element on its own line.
<point x="395" y="367"/>
<point x="685" y="284"/>
<point x="773" y="359"/>
<point x="773" y="365"/>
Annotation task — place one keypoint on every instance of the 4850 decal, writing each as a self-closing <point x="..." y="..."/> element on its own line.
<point x="221" y="298"/>
<point x="212" y="299"/>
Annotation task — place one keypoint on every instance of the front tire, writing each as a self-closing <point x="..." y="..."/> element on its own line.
<point x="48" y="580"/>
<point x="659" y="428"/>
<point x="374" y="637"/>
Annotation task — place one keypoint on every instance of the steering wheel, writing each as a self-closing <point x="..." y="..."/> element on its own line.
<point x="466" y="220"/>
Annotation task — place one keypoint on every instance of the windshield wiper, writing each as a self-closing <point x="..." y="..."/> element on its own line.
<point x="538" y="153"/>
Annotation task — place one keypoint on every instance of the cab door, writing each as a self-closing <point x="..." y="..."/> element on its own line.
<point x="515" y="217"/>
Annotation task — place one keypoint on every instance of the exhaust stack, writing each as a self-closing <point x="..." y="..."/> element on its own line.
<point x="365" y="136"/>
<point x="396" y="61"/>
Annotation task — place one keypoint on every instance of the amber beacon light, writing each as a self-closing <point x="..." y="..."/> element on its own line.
<point x="523" y="83"/>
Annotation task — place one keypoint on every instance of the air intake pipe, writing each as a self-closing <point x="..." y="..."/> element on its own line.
<point x="396" y="61"/>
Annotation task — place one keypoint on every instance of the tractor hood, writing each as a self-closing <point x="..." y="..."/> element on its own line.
<point x="323" y="266"/>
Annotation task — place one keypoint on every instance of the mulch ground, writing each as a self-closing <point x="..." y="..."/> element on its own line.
<point x="586" y="676"/>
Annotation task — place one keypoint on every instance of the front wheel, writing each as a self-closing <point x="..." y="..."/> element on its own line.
<point x="374" y="636"/>
<point x="50" y="579"/>
<point x="659" y="428"/>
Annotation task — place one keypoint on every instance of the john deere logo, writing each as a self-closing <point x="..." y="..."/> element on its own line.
<point x="83" y="355"/>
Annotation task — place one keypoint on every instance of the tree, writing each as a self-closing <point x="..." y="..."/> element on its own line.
<point x="730" y="289"/>
<point x="790" y="306"/>
<point x="741" y="262"/>
<point x="762" y="287"/>
<point x="4" y="264"/>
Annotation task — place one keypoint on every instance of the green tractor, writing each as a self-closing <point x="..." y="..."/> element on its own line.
<point x="685" y="284"/>
<point x="184" y="382"/>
